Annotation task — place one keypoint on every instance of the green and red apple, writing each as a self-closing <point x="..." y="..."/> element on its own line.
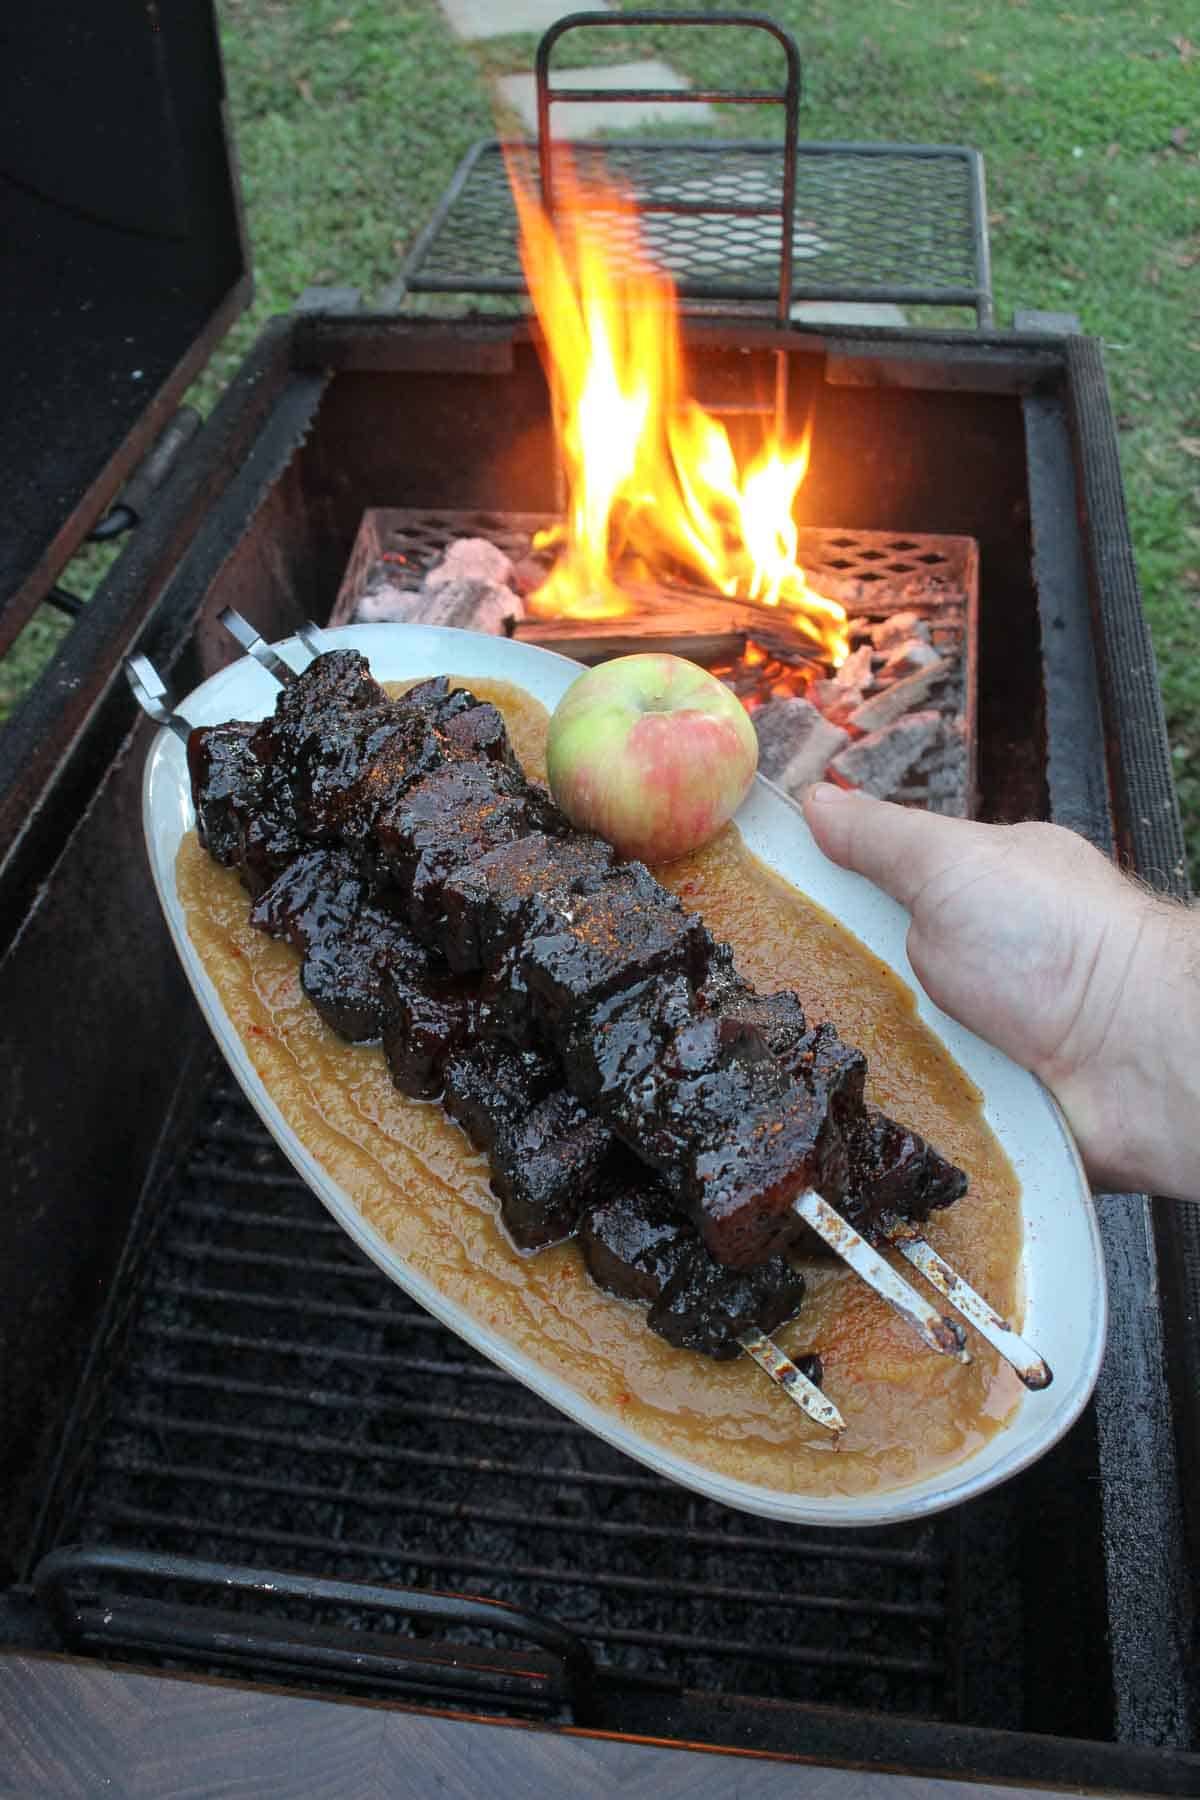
<point x="652" y="753"/>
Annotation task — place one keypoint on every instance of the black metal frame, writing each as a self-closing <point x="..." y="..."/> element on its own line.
<point x="785" y="291"/>
<point x="164" y="1620"/>
<point x="788" y="97"/>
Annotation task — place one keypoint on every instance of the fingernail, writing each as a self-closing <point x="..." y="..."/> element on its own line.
<point x="822" y="792"/>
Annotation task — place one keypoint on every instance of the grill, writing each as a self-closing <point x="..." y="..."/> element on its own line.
<point x="895" y="222"/>
<point x="277" y="1400"/>
<point x="227" y="1445"/>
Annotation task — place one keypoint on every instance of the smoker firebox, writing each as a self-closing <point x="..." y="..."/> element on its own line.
<point x="199" y="1373"/>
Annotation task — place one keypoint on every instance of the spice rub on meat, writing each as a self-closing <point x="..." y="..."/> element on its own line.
<point x="441" y="903"/>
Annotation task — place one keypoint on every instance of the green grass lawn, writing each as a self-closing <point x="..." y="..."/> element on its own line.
<point x="350" y="116"/>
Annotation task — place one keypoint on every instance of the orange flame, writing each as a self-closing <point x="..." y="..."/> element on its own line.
<point x="653" y="481"/>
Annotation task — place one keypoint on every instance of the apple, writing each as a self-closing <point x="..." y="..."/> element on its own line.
<point x="652" y="753"/>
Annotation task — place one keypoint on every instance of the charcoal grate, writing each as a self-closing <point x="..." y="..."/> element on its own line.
<point x="279" y="1401"/>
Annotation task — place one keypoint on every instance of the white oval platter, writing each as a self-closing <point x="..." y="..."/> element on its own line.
<point x="1062" y="1269"/>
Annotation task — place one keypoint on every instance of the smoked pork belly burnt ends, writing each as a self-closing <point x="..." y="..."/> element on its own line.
<point x="721" y="1092"/>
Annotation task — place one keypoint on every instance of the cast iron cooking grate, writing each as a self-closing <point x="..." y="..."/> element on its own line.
<point x="276" y="1400"/>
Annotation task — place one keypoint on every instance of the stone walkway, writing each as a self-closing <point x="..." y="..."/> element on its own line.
<point x="481" y="19"/>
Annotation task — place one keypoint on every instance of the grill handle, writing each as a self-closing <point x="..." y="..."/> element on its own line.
<point x="131" y="1622"/>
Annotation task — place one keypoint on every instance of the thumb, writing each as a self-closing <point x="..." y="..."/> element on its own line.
<point x="899" y="848"/>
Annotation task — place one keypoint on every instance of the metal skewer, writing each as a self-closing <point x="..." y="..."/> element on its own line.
<point x="310" y="636"/>
<point x="793" y="1381"/>
<point x="150" y="692"/>
<point x="1032" y="1369"/>
<point x="939" y="1333"/>
<point x="255" y="645"/>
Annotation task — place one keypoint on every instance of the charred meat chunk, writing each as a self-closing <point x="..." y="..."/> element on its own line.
<point x="348" y="972"/>
<point x="319" y="888"/>
<point x="344" y="775"/>
<point x="330" y="689"/>
<point x="893" y="1170"/>
<point x="633" y="1239"/>
<point x="635" y="1245"/>
<point x="707" y="1308"/>
<point x="489" y="1087"/>
<point x="447" y="820"/>
<point x="495" y="901"/>
<point x="352" y="949"/>
<point x="621" y="1043"/>
<point x="610" y="939"/>
<point x="227" y="785"/>
<point x="424" y="1023"/>
<point x="544" y="1167"/>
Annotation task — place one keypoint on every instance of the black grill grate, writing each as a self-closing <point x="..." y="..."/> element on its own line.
<point x="280" y="1402"/>
<point x="902" y="222"/>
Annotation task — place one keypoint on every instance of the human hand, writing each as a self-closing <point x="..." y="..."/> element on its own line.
<point x="1032" y="939"/>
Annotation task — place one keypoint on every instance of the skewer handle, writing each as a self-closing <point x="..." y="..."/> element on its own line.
<point x="150" y="692"/>
<point x="255" y="645"/>
<point x="1032" y="1369"/>
<point x="941" y="1334"/>
<point x="793" y="1381"/>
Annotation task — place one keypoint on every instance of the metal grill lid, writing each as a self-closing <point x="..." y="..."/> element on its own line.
<point x="122" y="258"/>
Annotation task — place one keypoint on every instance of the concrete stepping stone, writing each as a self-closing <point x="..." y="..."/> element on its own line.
<point x="496" y="18"/>
<point x="572" y="119"/>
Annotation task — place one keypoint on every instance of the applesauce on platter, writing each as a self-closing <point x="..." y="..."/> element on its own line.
<point x="413" y="1176"/>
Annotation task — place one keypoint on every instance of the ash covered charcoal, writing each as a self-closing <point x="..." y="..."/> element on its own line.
<point x="902" y="697"/>
<point x="898" y="628"/>
<point x="471" y="559"/>
<point x="472" y="587"/>
<point x="796" y="743"/>
<point x="544" y="1166"/>
<point x="879" y="762"/>
<point x="466" y="604"/>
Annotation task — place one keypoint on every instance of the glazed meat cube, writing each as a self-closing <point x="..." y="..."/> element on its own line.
<point x="347" y="972"/>
<point x="545" y="1167"/>
<point x="424" y="1023"/>
<point x="318" y="887"/>
<point x="446" y="821"/>
<point x="616" y="1045"/>
<point x="331" y="687"/>
<point x="352" y="949"/>
<point x="227" y="786"/>
<point x="344" y="776"/>
<point x="827" y="1065"/>
<point x="740" y="1181"/>
<point x="608" y="940"/>
<point x="894" y="1170"/>
<point x="706" y="1308"/>
<point x="479" y="731"/>
<point x="488" y="1087"/>
<point x="633" y="1240"/>
<point x="635" y="1245"/>
<point x="491" y="903"/>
